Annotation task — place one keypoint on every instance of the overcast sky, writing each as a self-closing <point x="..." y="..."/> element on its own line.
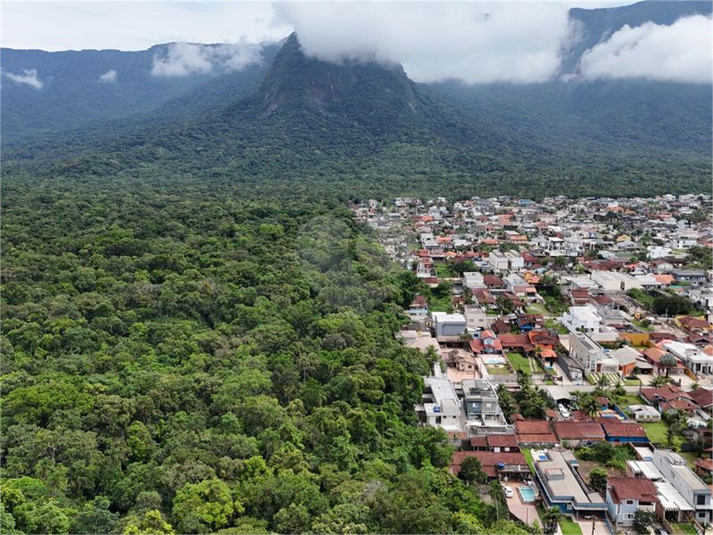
<point x="476" y="42"/>
<point x="139" y="25"/>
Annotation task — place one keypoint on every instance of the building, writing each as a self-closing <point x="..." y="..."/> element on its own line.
<point x="582" y="319"/>
<point x="695" y="277"/>
<point x="626" y="495"/>
<point x="686" y="482"/>
<point x="616" y="430"/>
<point x="562" y="486"/>
<point x="449" y="327"/>
<point x="473" y="280"/>
<point x="497" y="261"/>
<point x="534" y="433"/>
<point x="442" y="407"/>
<point x="578" y="433"/>
<point x="645" y="413"/>
<point x="494" y="465"/>
<point x="691" y="357"/>
<point x="475" y="318"/>
<point x="586" y="352"/>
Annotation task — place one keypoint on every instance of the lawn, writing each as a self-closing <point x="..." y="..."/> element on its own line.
<point x="569" y="527"/>
<point x="631" y="382"/>
<point x="656" y="431"/>
<point x="519" y="362"/>
<point x="556" y="326"/>
<point x="683" y="529"/>
<point x="528" y="458"/>
<point x="631" y="399"/>
<point x="498" y="370"/>
<point x="536" y="308"/>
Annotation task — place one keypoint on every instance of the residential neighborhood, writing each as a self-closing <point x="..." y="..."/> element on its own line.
<point x="572" y="348"/>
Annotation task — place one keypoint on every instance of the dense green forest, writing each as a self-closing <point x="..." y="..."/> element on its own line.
<point x="184" y="356"/>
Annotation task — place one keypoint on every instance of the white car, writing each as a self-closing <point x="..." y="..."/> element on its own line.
<point x="508" y="491"/>
<point x="563" y="411"/>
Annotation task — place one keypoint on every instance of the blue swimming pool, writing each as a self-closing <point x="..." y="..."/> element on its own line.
<point x="527" y="494"/>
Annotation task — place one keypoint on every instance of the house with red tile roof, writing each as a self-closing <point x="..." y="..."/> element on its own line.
<point x="618" y="431"/>
<point x="513" y="463"/>
<point x="626" y="495"/>
<point x="502" y="443"/>
<point x="579" y="433"/>
<point x="534" y="433"/>
<point x="702" y="397"/>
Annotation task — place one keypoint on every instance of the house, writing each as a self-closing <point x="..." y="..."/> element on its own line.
<point x="534" y="433"/>
<point x="493" y="464"/>
<point x="694" y="325"/>
<point x="442" y="407"/>
<point x="686" y="482"/>
<point x="703" y="398"/>
<point x="582" y="319"/>
<point x="516" y="342"/>
<point x="546" y="342"/>
<point x="691" y="357"/>
<point x="485" y="342"/>
<point x="473" y="280"/>
<point x="475" y="317"/>
<point x="527" y="322"/>
<point x="578" y="296"/>
<point x="579" y="433"/>
<point x="627" y="357"/>
<point x="667" y="393"/>
<point x="562" y="486"/>
<point x="694" y="277"/>
<point x="586" y="352"/>
<point x="449" y="327"/>
<point x="645" y="413"/>
<point x="619" y="431"/>
<point x="498" y="261"/>
<point x="626" y="495"/>
<point x="502" y="443"/>
<point x="493" y="282"/>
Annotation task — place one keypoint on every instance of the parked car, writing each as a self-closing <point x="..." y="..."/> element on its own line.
<point x="564" y="411"/>
<point x="660" y="531"/>
<point x="508" y="491"/>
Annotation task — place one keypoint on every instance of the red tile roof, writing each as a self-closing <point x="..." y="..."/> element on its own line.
<point x="488" y="460"/>
<point x="539" y="438"/>
<point x="502" y="441"/>
<point x="479" y="442"/>
<point x="667" y="393"/>
<point x="631" y="488"/>
<point x="532" y="427"/>
<point x="615" y="428"/>
<point x="702" y="397"/>
<point x="570" y="430"/>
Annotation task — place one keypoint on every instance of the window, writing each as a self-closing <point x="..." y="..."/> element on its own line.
<point x="701" y="499"/>
<point x="629" y="502"/>
<point x="629" y="516"/>
<point x="438" y="419"/>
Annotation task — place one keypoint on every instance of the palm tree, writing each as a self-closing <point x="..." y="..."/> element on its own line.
<point x="498" y="496"/>
<point x="589" y="405"/>
<point x="668" y="361"/>
<point x="602" y="381"/>
<point x="695" y="386"/>
<point x="550" y="517"/>
<point x="659" y="381"/>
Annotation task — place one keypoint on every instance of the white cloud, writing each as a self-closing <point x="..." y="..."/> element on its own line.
<point x="29" y="77"/>
<point x="182" y="59"/>
<point x="109" y="77"/>
<point x="680" y="52"/>
<point x="474" y="42"/>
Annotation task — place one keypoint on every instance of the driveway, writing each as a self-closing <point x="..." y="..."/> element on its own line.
<point x="600" y="527"/>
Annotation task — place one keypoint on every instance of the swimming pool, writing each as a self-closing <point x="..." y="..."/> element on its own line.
<point x="527" y="494"/>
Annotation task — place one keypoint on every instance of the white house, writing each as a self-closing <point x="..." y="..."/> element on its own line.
<point x="583" y="318"/>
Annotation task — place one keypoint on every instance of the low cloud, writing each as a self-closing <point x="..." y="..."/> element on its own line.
<point x="474" y="42"/>
<point x="28" y="77"/>
<point x="109" y="77"/>
<point x="680" y="52"/>
<point x="183" y="59"/>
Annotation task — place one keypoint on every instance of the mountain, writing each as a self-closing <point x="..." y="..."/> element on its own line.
<point x="73" y="94"/>
<point x="366" y="127"/>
